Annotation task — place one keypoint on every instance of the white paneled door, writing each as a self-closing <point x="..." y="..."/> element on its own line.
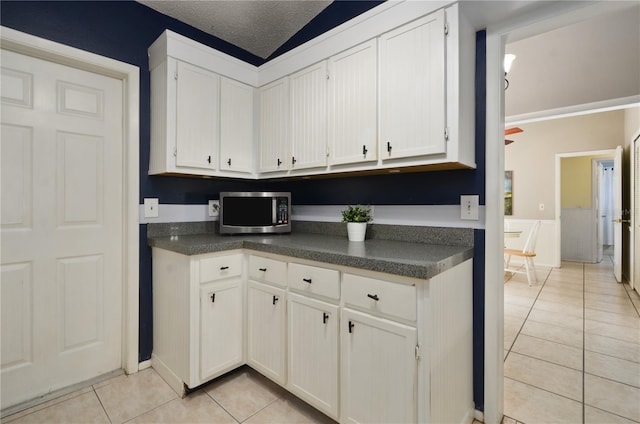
<point x="62" y="226"/>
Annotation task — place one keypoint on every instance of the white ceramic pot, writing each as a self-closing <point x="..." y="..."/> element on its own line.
<point x="356" y="230"/>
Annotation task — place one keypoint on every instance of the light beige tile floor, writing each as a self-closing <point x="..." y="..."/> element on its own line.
<point x="574" y="355"/>
<point x="238" y="397"/>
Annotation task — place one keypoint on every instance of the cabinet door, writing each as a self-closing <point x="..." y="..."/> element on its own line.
<point x="313" y="352"/>
<point x="309" y="117"/>
<point x="378" y="370"/>
<point x="236" y="126"/>
<point x="353" y="88"/>
<point x="266" y="330"/>
<point x="221" y="327"/>
<point x="196" y="117"/>
<point x="412" y="89"/>
<point x="274" y="126"/>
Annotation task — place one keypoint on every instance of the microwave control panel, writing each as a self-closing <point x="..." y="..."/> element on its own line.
<point x="282" y="205"/>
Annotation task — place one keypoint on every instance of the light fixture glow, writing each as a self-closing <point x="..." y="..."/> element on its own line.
<point x="508" y="61"/>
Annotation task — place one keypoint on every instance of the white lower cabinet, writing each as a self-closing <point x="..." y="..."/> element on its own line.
<point x="359" y="349"/>
<point x="378" y="370"/>
<point x="313" y="352"/>
<point x="266" y="309"/>
<point x="198" y="316"/>
<point x="221" y="321"/>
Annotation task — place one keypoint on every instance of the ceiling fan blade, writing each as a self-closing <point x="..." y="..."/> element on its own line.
<point x="507" y="142"/>
<point x="514" y="130"/>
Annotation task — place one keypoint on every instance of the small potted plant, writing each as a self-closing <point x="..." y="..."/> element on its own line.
<point x="356" y="218"/>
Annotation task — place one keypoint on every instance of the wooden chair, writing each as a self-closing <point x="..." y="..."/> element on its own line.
<point x="528" y="253"/>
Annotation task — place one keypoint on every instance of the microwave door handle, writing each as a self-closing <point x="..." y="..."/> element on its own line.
<point x="274" y="210"/>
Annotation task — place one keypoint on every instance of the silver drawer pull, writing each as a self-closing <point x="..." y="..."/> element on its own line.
<point x="373" y="296"/>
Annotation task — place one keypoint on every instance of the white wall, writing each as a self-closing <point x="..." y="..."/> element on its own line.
<point x="545" y="246"/>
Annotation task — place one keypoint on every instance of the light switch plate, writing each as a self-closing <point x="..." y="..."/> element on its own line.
<point x="469" y="207"/>
<point x="151" y="207"/>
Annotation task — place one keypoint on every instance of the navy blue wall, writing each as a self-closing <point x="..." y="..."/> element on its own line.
<point x="123" y="30"/>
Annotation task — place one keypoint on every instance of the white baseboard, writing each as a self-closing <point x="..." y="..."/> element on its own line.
<point x="144" y="365"/>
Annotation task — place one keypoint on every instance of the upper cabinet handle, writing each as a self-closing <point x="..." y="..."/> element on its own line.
<point x="262" y="269"/>
<point x="222" y="268"/>
<point x="307" y="280"/>
<point x="229" y="162"/>
<point x="293" y="160"/>
<point x="389" y="147"/>
<point x="364" y="150"/>
<point x="279" y="162"/>
<point x="373" y="296"/>
<point x="209" y="159"/>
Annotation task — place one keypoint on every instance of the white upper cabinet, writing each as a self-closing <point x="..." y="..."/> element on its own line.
<point x="353" y="87"/>
<point x="236" y="126"/>
<point x="412" y="89"/>
<point x="196" y="116"/>
<point x="309" y="117"/>
<point x="274" y="126"/>
<point x="184" y="118"/>
<point x="401" y="95"/>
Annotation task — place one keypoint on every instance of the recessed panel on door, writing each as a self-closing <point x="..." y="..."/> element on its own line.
<point x="80" y="286"/>
<point x="15" y="172"/>
<point x="74" y="99"/>
<point x="17" y="309"/>
<point x="80" y="188"/>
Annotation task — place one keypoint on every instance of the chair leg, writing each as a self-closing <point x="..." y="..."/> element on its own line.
<point x="526" y="266"/>
<point x="506" y="264"/>
<point x="531" y="269"/>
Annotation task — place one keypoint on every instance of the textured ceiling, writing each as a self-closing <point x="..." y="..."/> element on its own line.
<point x="257" y="26"/>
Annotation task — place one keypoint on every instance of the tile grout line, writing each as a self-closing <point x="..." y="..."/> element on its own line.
<point x="223" y="408"/>
<point x="544" y="390"/>
<point x="101" y="404"/>
<point x="525" y="318"/>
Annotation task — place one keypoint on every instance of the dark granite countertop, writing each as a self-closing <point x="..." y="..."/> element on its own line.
<point x="402" y="258"/>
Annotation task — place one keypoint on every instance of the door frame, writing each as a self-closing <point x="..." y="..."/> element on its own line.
<point x="51" y="51"/>
<point x="634" y="188"/>
<point x="514" y="27"/>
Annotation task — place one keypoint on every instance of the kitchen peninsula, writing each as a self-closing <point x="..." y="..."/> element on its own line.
<point x="337" y="323"/>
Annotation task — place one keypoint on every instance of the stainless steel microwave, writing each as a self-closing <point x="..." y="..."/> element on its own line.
<point x="245" y="212"/>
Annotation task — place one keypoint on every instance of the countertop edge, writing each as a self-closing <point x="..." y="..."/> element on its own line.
<point x="418" y="271"/>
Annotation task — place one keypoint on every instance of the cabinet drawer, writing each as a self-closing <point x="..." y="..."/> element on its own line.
<point x="212" y="269"/>
<point x="268" y="270"/>
<point x="379" y="296"/>
<point x="311" y="279"/>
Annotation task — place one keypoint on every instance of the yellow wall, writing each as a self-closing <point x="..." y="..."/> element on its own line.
<point x="576" y="181"/>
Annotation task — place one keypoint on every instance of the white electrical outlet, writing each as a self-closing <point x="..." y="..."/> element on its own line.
<point x="469" y="207"/>
<point x="214" y="208"/>
<point x="151" y="208"/>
